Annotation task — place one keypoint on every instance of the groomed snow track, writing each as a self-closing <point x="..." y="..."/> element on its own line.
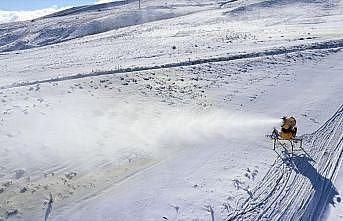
<point x="298" y="186"/>
<point x="323" y="45"/>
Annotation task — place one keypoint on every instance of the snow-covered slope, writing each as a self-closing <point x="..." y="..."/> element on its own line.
<point x="227" y="168"/>
<point x="88" y="20"/>
<point x="164" y="116"/>
<point x="206" y="34"/>
<point x="300" y="186"/>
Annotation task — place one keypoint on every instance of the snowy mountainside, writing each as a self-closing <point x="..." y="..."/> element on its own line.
<point x="87" y="8"/>
<point x="87" y="20"/>
<point x="205" y="34"/>
<point x="163" y="116"/>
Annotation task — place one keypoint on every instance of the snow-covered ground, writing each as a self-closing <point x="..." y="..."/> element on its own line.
<point x="115" y="113"/>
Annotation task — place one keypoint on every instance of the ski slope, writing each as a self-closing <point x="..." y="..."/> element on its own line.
<point x="86" y="20"/>
<point x="218" y="177"/>
<point x="298" y="186"/>
<point x="113" y="113"/>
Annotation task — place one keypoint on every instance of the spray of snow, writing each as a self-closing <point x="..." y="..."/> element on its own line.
<point x="180" y="128"/>
<point x="137" y="128"/>
<point x="71" y="135"/>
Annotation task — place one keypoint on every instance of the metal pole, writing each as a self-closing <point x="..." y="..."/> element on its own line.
<point x="139" y="4"/>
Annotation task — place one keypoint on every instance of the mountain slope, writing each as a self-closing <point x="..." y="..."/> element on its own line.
<point x="165" y="117"/>
<point x="88" y="20"/>
<point x="299" y="186"/>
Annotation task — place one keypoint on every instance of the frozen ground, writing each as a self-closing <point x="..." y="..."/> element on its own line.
<point x="121" y="125"/>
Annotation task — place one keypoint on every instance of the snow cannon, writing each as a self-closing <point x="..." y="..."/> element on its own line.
<point x="288" y="128"/>
<point x="287" y="133"/>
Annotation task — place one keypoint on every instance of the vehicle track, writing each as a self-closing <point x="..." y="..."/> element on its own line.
<point x="323" y="45"/>
<point x="298" y="186"/>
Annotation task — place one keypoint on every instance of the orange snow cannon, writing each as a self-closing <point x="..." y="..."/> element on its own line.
<point x="288" y="132"/>
<point x="288" y="128"/>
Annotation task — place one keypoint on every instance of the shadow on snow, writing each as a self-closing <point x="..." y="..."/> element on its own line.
<point x="324" y="191"/>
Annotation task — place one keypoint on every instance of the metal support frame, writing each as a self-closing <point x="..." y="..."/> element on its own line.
<point x="291" y="141"/>
<point x="291" y="145"/>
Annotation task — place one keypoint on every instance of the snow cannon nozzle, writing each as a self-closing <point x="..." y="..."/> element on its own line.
<point x="289" y="121"/>
<point x="288" y="128"/>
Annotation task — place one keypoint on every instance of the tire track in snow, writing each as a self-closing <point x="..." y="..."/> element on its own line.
<point x="331" y="44"/>
<point x="299" y="186"/>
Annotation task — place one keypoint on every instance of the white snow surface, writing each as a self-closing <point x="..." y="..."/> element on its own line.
<point x="81" y="21"/>
<point x="110" y="112"/>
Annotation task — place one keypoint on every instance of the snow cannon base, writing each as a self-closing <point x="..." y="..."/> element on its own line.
<point x="277" y="139"/>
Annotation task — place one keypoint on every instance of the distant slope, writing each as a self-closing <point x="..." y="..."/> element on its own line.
<point x="88" y="8"/>
<point x="86" y="20"/>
